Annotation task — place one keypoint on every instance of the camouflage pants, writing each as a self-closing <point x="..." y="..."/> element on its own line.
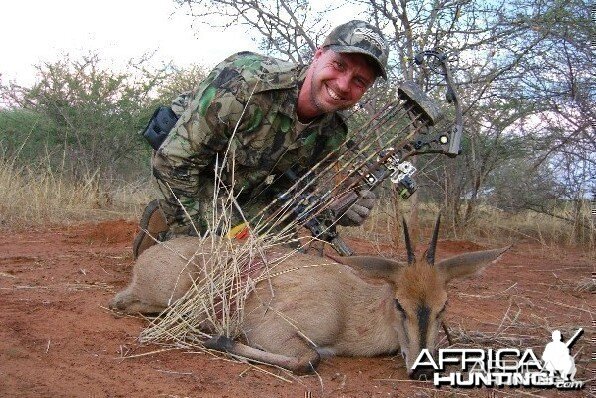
<point x="211" y="210"/>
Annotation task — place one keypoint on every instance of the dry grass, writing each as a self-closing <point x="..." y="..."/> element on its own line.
<point x="230" y="270"/>
<point x="36" y="195"/>
<point x="489" y="226"/>
<point x="216" y="299"/>
<point x="541" y="228"/>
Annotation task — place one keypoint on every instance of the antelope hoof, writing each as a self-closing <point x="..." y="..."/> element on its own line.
<point x="219" y="343"/>
<point x="422" y="374"/>
<point x="307" y="364"/>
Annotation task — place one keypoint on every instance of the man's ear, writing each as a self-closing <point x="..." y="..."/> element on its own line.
<point x="469" y="263"/>
<point x="373" y="266"/>
<point x="318" y="53"/>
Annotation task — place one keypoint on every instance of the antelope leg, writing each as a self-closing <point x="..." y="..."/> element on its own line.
<point x="299" y="365"/>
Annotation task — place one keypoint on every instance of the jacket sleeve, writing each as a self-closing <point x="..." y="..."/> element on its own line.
<point x="200" y="136"/>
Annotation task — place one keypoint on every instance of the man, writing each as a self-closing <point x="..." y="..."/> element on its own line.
<point x="269" y="117"/>
<point x="556" y="357"/>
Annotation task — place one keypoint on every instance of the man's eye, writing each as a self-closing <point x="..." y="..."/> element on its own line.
<point x="338" y="65"/>
<point x="360" y="83"/>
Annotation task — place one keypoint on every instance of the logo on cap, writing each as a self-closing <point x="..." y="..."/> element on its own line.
<point x="374" y="38"/>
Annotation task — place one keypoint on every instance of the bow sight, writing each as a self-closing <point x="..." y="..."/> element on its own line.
<point x="413" y="116"/>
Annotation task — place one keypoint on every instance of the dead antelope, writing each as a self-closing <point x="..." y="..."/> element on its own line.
<point x="365" y="306"/>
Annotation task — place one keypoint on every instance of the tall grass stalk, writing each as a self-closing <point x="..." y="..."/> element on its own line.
<point x="226" y="271"/>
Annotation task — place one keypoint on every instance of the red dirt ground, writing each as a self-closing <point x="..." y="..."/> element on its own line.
<point x="58" y="339"/>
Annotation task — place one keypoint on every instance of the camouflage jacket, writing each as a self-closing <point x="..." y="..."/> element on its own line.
<point x="245" y="108"/>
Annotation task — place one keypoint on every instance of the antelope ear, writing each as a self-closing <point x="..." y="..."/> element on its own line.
<point x="373" y="266"/>
<point x="469" y="264"/>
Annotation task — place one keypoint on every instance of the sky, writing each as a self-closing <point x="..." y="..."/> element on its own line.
<point x="35" y="31"/>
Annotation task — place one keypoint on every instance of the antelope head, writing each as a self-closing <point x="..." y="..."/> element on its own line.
<point x="420" y="291"/>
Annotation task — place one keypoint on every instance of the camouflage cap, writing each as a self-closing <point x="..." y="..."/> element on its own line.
<point x="363" y="38"/>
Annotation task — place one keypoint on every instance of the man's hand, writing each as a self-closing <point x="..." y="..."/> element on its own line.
<point x="356" y="213"/>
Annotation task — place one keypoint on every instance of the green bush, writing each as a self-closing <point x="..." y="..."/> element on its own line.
<point x="83" y="119"/>
<point x="25" y="135"/>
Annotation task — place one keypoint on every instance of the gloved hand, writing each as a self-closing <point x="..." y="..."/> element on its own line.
<point x="357" y="213"/>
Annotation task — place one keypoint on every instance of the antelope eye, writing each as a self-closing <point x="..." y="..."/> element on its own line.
<point x="399" y="307"/>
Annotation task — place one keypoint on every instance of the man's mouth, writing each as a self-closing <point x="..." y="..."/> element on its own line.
<point x="333" y="94"/>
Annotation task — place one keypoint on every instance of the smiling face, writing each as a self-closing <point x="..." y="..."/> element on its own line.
<point x="334" y="81"/>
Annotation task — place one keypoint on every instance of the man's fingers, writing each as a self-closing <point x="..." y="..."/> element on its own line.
<point x="356" y="214"/>
<point x="343" y="201"/>
<point x="359" y="210"/>
<point x="351" y="219"/>
<point x="367" y="199"/>
<point x="362" y="211"/>
<point x="366" y="194"/>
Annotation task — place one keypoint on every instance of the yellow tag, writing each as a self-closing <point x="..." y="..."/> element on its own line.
<point x="240" y="231"/>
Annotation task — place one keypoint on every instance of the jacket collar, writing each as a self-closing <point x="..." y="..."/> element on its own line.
<point x="290" y="79"/>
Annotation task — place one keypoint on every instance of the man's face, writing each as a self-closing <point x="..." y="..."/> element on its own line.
<point x="339" y="80"/>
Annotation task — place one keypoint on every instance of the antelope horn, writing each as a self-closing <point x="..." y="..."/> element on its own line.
<point x="430" y="253"/>
<point x="408" y="243"/>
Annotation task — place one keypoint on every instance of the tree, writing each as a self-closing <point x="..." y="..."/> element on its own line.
<point x="288" y="28"/>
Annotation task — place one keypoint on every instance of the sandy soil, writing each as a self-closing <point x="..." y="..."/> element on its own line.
<point x="58" y="339"/>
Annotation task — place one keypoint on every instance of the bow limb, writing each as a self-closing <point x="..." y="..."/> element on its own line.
<point x="453" y="97"/>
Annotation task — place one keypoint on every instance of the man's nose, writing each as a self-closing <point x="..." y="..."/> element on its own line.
<point x="343" y="82"/>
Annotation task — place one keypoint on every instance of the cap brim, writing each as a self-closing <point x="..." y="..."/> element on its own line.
<point x="353" y="49"/>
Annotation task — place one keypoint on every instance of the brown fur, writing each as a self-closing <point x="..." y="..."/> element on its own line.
<point x="333" y="309"/>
